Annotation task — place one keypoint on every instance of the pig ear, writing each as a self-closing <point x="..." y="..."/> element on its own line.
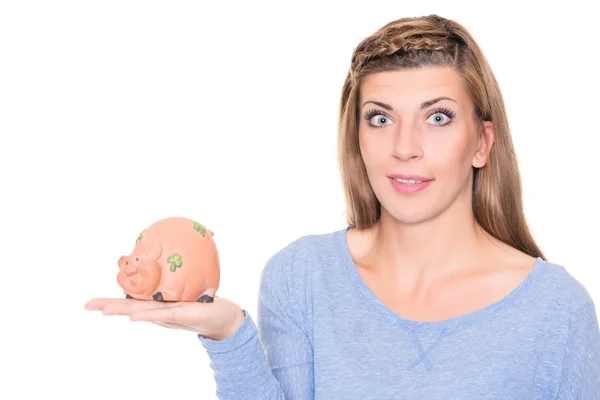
<point x="153" y="250"/>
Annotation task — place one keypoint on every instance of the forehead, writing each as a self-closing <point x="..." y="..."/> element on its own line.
<point x="411" y="87"/>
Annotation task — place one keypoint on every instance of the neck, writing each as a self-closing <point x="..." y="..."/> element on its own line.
<point x="449" y="242"/>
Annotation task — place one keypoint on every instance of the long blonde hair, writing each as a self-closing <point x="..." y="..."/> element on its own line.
<point x="435" y="41"/>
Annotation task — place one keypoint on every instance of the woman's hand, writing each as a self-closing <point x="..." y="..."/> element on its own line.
<point x="217" y="320"/>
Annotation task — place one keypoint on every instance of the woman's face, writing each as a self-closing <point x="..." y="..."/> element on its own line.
<point x="422" y="128"/>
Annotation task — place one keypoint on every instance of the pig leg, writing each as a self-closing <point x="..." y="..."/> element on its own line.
<point x="166" y="296"/>
<point x="158" y="296"/>
<point x="208" y="296"/>
<point x="205" y="299"/>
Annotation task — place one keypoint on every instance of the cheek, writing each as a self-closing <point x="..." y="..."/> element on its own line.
<point x="375" y="150"/>
<point x="449" y="153"/>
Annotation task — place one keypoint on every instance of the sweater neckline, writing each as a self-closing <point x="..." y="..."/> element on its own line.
<point x="447" y="324"/>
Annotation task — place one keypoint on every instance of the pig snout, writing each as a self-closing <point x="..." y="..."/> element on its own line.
<point x="127" y="267"/>
<point x="130" y="270"/>
<point x="138" y="276"/>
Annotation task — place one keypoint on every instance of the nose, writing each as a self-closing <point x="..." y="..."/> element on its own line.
<point x="122" y="262"/>
<point x="406" y="144"/>
<point x="130" y="270"/>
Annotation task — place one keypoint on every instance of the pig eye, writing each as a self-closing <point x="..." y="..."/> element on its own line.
<point x="137" y="259"/>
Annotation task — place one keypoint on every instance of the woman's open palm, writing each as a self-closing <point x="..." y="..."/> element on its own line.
<point x="217" y="320"/>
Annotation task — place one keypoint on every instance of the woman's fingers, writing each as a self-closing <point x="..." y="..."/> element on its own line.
<point x="125" y="306"/>
<point x="135" y="306"/>
<point x="100" y="303"/>
<point x="174" y="326"/>
<point x="162" y="314"/>
<point x="215" y="319"/>
<point x="187" y="314"/>
<point x="166" y="325"/>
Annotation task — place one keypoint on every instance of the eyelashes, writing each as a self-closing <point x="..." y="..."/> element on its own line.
<point x="440" y="110"/>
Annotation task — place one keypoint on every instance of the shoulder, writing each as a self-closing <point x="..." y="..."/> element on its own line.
<point x="299" y="258"/>
<point x="561" y="289"/>
<point x="287" y="282"/>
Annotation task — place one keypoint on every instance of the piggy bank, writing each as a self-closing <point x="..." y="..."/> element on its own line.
<point x="174" y="259"/>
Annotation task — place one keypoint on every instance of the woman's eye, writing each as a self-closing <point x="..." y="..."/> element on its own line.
<point x="137" y="259"/>
<point x="379" y="119"/>
<point x="438" y="118"/>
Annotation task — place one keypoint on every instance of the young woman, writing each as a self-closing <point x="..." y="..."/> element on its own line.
<point x="436" y="288"/>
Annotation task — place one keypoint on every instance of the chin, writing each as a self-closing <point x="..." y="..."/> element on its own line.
<point x="411" y="211"/>
<point x="414" y="212"/>
<point x="410" y="218"/>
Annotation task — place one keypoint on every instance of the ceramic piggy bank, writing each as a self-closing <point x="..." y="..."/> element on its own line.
<point x="174" y="259"/>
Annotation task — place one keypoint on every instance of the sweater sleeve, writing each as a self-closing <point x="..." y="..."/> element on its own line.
<point x="580" y="379"/>
<point x="272" y="361"/>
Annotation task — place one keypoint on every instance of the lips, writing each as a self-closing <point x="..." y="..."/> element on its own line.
<point x="410" y="187"/>
<point x="410" y="177"/>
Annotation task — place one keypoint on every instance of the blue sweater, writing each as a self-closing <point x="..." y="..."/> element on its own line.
<point x="322" y="334"/>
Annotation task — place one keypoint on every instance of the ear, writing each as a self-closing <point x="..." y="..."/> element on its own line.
<point x="152" y="250"/>
<point x="485" y="141"/>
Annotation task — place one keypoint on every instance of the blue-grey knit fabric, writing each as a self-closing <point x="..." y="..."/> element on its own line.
<point x="322" y="334"/>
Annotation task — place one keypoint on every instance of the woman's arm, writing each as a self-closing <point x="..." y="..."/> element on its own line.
<point x="273" y="361"/>
<point x="580" y="378"/>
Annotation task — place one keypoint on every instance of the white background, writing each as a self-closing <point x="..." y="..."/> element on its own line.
<point x="114" y="114"/>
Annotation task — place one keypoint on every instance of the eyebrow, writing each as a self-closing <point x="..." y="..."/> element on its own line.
<point x="424" y="104"/>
